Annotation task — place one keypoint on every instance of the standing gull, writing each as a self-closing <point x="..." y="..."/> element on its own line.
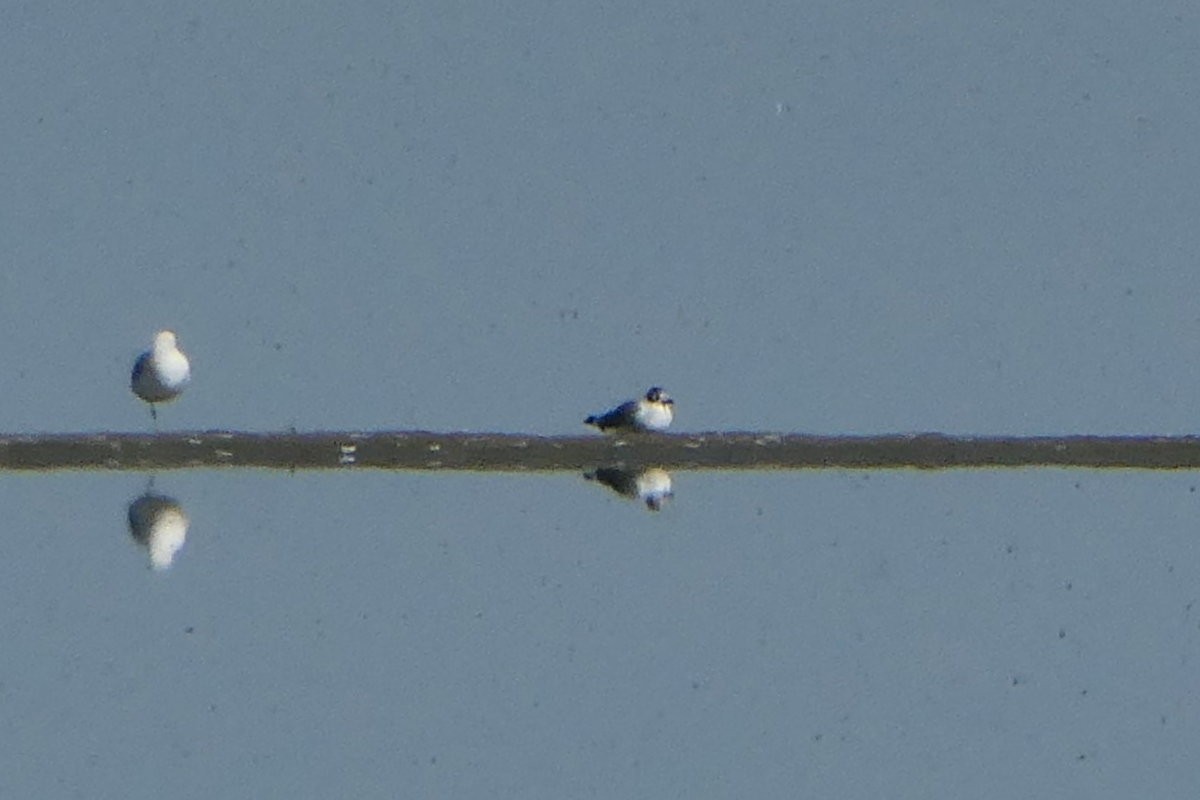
<point x="160" y="373"/>
<point x="651" y="413"/>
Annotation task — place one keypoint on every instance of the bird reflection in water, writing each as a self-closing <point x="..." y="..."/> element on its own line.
<point x="652" y="486"/>
<point x="159" y="524"/>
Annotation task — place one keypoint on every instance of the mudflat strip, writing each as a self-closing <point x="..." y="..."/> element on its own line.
<point x="509" y="452"/>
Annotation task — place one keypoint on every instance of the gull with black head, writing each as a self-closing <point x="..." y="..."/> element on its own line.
<point x="653" y="412"/>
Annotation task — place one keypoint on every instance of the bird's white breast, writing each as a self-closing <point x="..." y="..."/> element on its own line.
<point x="653" y="416"/>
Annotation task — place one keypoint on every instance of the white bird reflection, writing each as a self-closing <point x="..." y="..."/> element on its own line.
<point x="652" y="486"/>
<point x="159" y="524"/>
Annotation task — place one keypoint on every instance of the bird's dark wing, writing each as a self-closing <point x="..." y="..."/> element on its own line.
<point x="139" y="366"/>
<point x="620" y="416"/>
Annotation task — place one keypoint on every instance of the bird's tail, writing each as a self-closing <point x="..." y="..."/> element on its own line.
<point x="592" y="421"/>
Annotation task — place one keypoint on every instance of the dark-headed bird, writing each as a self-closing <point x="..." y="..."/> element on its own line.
<point x="653" y="412"/>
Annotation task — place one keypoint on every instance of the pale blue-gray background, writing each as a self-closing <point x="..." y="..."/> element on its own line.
<point x="828" y="217"/>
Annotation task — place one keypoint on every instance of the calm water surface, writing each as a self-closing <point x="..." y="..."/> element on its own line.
<point x="542" y="636"/>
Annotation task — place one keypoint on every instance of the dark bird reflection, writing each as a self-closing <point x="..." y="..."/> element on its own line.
<point x="652" y="485"/>
<point x="159" y="524"/>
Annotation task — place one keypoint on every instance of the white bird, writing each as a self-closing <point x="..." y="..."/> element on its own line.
<point x="160" y="373"/>
<point x="653" y="412"/>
